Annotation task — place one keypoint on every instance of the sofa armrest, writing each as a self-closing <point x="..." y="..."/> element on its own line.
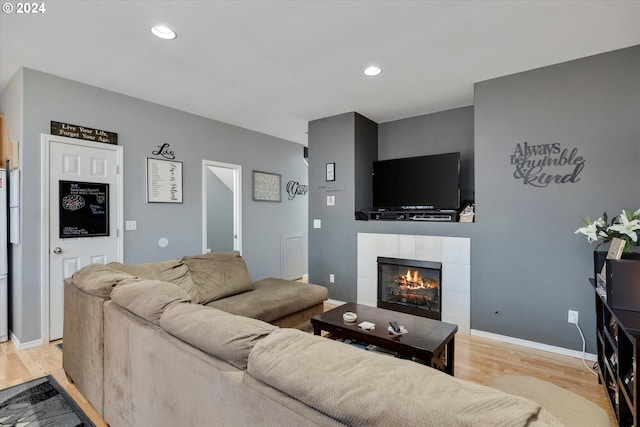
<point x="83" y="351"/>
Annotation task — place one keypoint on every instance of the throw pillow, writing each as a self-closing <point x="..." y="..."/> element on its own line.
<point x="218" y="275"/>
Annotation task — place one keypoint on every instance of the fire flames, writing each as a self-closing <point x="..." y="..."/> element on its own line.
<point x="414" y="289"/>
<point x="413" y="280"/>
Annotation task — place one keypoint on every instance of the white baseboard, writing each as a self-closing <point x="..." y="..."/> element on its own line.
<point x="535" y="345"/>
<point x="23" y="346"/>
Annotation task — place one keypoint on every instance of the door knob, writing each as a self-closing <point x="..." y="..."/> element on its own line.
<point x="57" y="250"/>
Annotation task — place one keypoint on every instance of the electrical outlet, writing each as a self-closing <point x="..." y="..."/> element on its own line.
<point x="573" y="317"/>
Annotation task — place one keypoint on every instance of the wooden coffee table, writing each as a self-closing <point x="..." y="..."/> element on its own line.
<point x="428" y="341"/>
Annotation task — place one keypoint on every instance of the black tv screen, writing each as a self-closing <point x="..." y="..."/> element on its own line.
<point x="426" y="182"/>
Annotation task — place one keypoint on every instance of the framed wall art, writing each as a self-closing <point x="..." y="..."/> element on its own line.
<point x="331" y="172"/>
<point x="266" y="186"/>
<point x="164" y="181"/>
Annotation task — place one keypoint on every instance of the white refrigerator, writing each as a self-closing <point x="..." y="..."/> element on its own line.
<point x="4" y="315"/>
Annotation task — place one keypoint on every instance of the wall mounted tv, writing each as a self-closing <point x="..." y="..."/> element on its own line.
<point x="425" y="182"/>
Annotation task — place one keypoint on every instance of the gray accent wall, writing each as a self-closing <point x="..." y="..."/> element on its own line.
<point x="438" y="133"/>
<point x="366" y="152"/>
<point x="526" y="262"/>
<point x="143" y="126"/>
<point x="350" y="141"/>
<point x="331" y="140"/>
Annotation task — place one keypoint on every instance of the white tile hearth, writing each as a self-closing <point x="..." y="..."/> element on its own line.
<point x="453" y="252"/>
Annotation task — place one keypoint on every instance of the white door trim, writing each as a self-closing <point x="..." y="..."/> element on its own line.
<point x="237" y="202"/>
<point x="45" y="141"/>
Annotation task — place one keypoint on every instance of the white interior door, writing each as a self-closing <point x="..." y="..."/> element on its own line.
<point x="84" y="214"/>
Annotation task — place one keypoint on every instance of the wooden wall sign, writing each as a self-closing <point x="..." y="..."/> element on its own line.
<point x="81" y="132"/>
<point x="84" y="209"/>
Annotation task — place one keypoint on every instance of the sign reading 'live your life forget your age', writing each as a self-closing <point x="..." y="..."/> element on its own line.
<point x="84" y="209"/>
<point x="82" y="132"/>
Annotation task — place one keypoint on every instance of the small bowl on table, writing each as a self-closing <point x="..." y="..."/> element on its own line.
<point x="349" y="316"/>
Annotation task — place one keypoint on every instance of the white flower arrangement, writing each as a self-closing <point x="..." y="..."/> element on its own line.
<point x="626" y="226"/>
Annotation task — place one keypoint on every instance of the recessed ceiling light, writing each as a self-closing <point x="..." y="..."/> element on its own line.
<point x="163" y="32"/>
<point x="372" y="70"/>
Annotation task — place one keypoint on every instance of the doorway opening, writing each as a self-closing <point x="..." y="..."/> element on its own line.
<point x="221" y="207"/>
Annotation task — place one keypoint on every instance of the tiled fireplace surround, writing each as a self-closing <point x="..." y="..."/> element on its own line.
<point x="453" y="252"/>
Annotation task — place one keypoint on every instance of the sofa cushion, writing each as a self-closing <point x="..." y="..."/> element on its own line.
<point x="348" y="384"/>
<point x="98" y="279"/>
<point x="173" y="270"/>
<point x="273" y="299"/>
<point x="148" y="298"/>
<point x="218" y="275"/>
<point x="222" y="335"/>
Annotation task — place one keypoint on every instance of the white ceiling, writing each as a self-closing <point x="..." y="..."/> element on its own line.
<point x="272" y="66"/>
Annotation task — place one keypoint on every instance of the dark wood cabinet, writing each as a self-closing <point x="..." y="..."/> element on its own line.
<point x="617" y="343"/>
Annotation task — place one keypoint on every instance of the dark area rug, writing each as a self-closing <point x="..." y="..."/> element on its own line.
<point x="41" y="402"/>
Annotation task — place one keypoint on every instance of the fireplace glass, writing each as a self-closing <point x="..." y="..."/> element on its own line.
<point x="410" y="286"/>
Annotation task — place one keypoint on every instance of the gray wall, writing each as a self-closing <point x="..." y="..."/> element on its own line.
<point x="331" y="140"/>
<point x="141" y="127"/>
<point x="333" y="248"/>
<point x="366" y="152"/>
<point x="526" y="261"/>
<point x="445" y="132"/>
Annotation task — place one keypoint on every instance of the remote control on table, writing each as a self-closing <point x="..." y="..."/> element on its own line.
<point x="395" y="326"/>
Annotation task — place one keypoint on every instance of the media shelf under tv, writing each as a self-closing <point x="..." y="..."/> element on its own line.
<point x="414" y="215"/>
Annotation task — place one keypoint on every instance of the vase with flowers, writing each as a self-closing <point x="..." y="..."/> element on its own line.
<point x="625" y="226"/>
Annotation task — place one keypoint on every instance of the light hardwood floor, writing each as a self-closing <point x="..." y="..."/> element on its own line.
<point x="476" y="359"/>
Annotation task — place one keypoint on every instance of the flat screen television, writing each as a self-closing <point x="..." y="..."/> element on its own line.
<point x="425" y="182"/>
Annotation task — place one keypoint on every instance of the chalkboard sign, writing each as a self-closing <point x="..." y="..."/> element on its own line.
<point x="84" y="209"/>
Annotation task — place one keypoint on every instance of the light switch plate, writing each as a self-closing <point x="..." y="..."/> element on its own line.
<point x="130" y="225"/>
<point x="317" y="223"/>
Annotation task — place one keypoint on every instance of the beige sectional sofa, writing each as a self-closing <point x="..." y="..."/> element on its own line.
<point x="218" y="280"/>
<point x="169" y="361"/>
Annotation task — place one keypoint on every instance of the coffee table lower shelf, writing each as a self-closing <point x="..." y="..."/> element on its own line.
<point x="429" y="341"/>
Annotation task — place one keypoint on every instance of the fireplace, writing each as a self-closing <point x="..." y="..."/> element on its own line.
<point x="410" y="286"/>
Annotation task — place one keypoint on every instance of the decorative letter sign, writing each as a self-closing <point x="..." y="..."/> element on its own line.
<point x="543" y="164"/>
